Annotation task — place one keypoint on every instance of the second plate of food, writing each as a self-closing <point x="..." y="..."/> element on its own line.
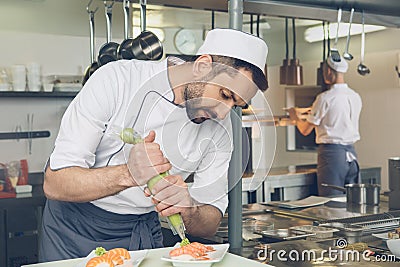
<point x="186" y="260"/>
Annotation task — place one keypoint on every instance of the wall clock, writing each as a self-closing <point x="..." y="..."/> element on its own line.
<point x="185" y="42"/>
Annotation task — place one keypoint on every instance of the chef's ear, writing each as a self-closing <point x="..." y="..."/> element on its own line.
<point x="202" y="65"/>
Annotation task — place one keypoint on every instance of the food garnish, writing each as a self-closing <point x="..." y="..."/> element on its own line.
<point x="100" y="251"/>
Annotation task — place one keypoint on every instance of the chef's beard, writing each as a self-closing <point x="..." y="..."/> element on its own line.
<point x="193" y="94"/>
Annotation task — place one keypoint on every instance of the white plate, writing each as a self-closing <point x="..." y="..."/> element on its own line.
<point x="215" y="256"/>
<point x="136" y="258"/>
<point x="383" y="236"/>
<point x="394" y="246"/>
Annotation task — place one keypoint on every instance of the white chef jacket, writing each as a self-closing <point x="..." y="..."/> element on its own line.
<point x="132" y="93"/>
<point x="336" y="113"/>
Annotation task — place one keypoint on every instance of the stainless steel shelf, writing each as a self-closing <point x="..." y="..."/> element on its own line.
<point x="39" y="94"/>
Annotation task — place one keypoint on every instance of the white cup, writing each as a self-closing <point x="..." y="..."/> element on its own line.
<point x="18" y="73"/>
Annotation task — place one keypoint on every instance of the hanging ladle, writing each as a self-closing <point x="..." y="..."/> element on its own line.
<point x="346" y="53"/>
<point x="361" y="68"/>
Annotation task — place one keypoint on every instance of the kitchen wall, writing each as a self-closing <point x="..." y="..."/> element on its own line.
<point x="68" y="53"/>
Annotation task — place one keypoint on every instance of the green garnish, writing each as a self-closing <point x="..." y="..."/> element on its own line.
<point x="100" y="251"/>
<point x="185" y="242"/>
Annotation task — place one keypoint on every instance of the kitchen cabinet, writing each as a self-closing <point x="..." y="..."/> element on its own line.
<point x="19" y="228"/>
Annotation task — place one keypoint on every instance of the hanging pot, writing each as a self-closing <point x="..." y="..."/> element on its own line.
<point x="295" y="70"/>
<point x="108" y="52"/>
<point x="124" y="49"/>
<point x="93" y="64"/>
<point x="146" y="46"/>
<point x="283" y="70"/>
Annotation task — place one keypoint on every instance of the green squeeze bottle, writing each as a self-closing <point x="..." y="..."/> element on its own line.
<point x="128" y="135"/>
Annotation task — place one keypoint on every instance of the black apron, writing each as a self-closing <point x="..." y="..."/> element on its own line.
<point x="333" y="168"/>
<point x="71" y="230"/>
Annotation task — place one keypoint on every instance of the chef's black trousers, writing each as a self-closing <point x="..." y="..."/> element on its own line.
<point x="71" y="230"/>
<point x="334" y="168"/>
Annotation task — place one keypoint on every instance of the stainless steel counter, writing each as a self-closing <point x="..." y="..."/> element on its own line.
<point x="293" y="182"/>
<point x="306" y="217"/>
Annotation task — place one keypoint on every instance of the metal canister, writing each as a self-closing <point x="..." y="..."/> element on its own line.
<point x="394" y="174"/>
<point x="394" y="183"/>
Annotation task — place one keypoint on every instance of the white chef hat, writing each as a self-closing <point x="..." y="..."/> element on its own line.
<point x="340" y="66"/>
<point x="236" y="44"/>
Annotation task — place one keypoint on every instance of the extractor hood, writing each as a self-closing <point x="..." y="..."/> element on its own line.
<point x="377" y="12"/>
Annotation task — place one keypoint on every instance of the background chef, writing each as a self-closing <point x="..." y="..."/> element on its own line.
<point x="335" y="116"/>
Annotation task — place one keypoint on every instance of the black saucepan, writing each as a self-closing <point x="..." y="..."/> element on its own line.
<point x="108" y="52"/>
<point x="93" y="64"/>
<point x="146" y="46"/>
<point x="124" y="49"/>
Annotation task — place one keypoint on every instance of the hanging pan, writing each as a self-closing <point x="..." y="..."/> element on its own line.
<point x="93" y="64"/>
<point x="283" y="70"/>
<point x="295" y="70"/>
<point x="146" y="46"/>
<point x="124" y="50"/>
<point x="108" y="52"/>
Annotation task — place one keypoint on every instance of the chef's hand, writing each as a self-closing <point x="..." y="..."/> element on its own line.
<point x="170" y="195"/>
<point x="146" y="160"/>
<point x="293" y="114"/>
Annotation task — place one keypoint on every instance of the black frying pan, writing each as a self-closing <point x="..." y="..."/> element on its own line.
<point x="124" y="50"/>
<point x="108" y="52"/>
<point x="93" y="64"/>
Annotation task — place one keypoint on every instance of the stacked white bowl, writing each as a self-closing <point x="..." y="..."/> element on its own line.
<point x="34" y="76"/>
<point x="18" y="73"/>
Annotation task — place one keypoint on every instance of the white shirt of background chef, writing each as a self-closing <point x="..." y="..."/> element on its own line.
<point x="335" y="113"/>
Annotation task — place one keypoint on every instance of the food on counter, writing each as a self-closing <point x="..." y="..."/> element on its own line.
<point x="197" y="250"/>
<point x="360" y="246"/>
<point x="99" y="260"/>
<point x="121" y="252"/>
<point x="111" y="258"/>
<point x="393" y="235"/>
